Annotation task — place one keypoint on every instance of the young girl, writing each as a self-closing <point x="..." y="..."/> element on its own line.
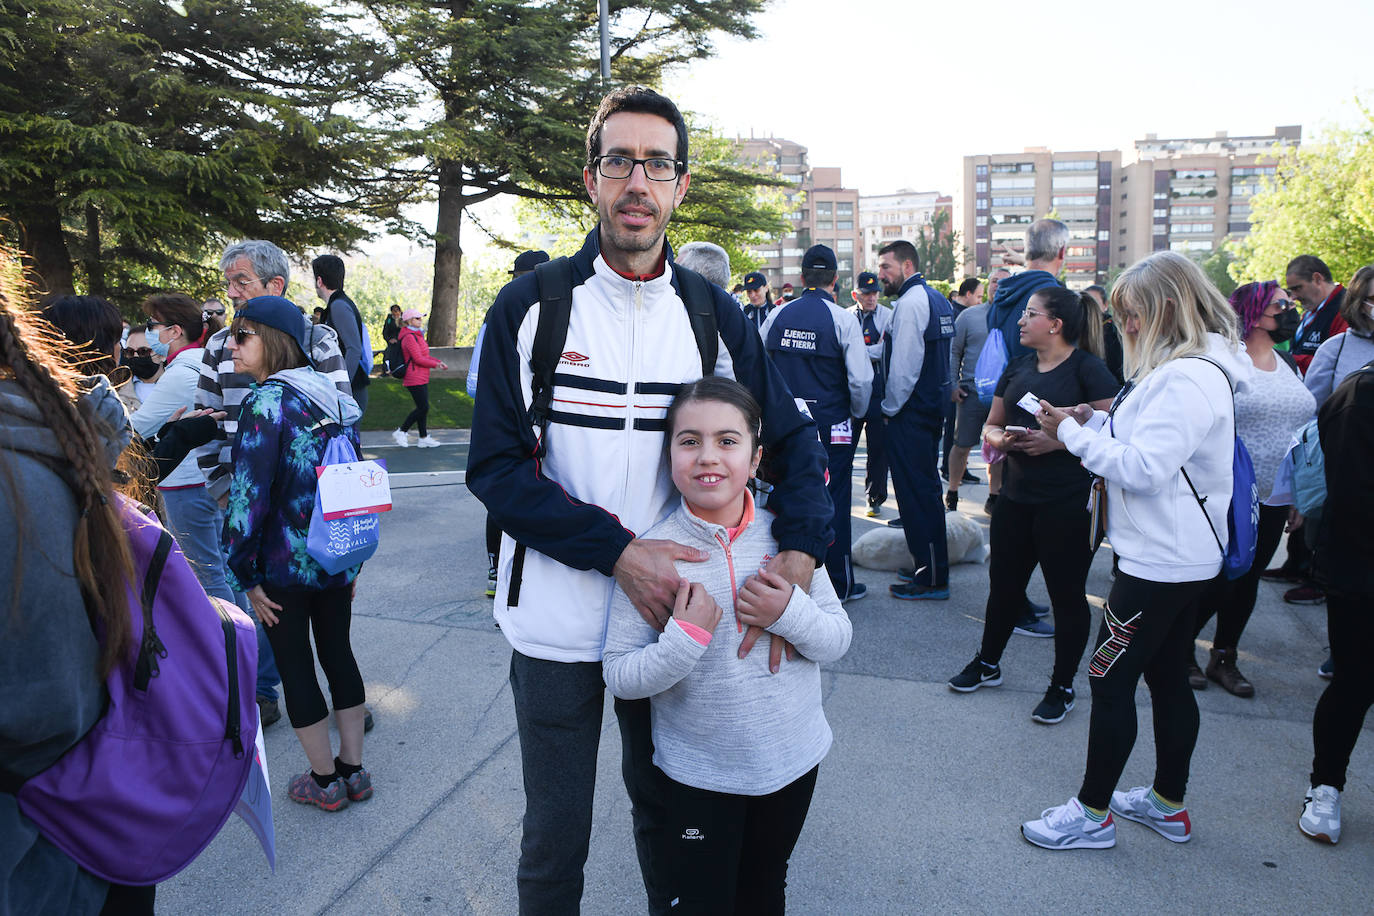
<point x="740" y="746"/>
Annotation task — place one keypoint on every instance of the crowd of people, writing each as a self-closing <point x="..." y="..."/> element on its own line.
<point x="659" y="509"/>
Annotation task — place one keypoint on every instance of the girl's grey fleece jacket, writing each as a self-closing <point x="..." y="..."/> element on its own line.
<point x="723" y="723"/>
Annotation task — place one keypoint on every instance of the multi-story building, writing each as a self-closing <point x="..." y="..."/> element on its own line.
<point x="1184" y="194"/>
<point x="1005" y="192"/>
<point x="905" y="214"/>
<point x="821" y="211"/>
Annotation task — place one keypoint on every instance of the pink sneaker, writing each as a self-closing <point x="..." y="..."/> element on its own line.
<point x="305" y="790"/>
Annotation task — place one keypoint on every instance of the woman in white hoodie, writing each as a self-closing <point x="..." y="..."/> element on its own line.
<point x="1175" y="416"/>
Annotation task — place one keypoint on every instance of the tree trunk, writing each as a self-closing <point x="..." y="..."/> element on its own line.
<point x="44" y="247"/>
<point x="95" y="268"/>
<point x="448" y="256"/>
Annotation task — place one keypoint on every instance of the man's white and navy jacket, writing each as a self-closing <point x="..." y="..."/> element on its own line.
<point x="604" y="475"/>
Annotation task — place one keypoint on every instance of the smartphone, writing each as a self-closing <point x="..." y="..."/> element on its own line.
<point x="1016" y="430"/>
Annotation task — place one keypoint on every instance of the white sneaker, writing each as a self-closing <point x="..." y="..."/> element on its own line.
<point x="429" y="442"/>
<point x="401" y="438"/>
<point x="1135" y="805"/>
<point x="1069" y="827"/>
<point x="1321" y="814"/>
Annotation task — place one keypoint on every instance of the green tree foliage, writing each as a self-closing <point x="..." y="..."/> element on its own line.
<point x="936" y="246"/>
<point x="1320" y="202"/>
<point x="512" y="85"/>
<point x="136" y="136"/>
<point x="1217" y="267"/>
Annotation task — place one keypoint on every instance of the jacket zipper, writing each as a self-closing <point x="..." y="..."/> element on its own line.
<point x="734" y="593"/>
<point x="232" y="726"/>
<point x="632" y="379"/>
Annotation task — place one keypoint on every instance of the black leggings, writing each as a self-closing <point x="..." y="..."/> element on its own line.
<point x="1147" y="628"/>
<point x="728" y="853"/>
<point x="1343" y="705"/>
<point x="328" y="612"/>
<point x="1055" y="535"/>
<point x="420" y="415"/>
<point x="1233" y="600"/>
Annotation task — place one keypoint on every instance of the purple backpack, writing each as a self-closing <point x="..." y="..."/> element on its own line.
<point x="148" y="787"/>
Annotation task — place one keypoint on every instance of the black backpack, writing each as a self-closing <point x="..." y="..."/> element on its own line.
<point x="555" y="297"/>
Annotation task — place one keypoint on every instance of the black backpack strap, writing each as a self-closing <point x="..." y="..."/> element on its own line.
<point x="555" y="310"/>
<point x="1288" y="358"/>
<point x="701" y="312"/>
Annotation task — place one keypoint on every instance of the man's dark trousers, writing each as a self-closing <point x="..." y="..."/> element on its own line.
<point x="558" y="717"/>
<point x="947" y="442"/>
<point x="839" y="457"/>
<point x="913" y="441"/>
<point x="875" y="470"/>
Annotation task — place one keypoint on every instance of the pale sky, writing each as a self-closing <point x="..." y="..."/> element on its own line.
<point x="897" y="93"/>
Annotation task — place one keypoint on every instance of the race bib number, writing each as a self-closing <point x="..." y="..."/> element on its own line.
<point x="842" y="433"/>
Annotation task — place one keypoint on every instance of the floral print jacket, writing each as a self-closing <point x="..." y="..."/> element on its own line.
<point x="272" y="493"/>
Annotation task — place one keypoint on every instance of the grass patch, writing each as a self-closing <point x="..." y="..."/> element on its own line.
<point x="449" y="404"/>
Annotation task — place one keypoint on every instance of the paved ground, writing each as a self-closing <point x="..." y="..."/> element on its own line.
<point x="917" y="807"/>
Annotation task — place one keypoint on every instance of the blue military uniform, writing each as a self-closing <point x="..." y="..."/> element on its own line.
<point x="818" y="349"/>
<point x="874" y="325"/>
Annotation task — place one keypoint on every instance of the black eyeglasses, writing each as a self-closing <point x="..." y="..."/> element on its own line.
<point x="242" y="334"/>
<point x="655" y="169"/>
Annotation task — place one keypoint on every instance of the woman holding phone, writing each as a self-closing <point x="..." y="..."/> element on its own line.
<point x="1041" y="516"/>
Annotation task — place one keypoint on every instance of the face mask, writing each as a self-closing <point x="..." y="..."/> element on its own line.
<point x="157" y="346"/>
<point x="143" y="367"/>
<point x="1287" y="321"/>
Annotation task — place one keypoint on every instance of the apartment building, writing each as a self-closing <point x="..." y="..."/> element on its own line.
<point x="821" y="211"/>
<point x="1180" y="194"/>
<point x="904" y="214"/>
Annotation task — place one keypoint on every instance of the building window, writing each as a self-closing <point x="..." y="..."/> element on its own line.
<point x="1073" y="200"/>
<point x="1204" y="210"/>
<point x="824" y="225"/>
<point x="980" y="170"/>
<point x="843" y="224"/>
<point x="1075" y="165"/>
<point x="980" y="187"/>
<point x="982" y="204"/>
<point x="1193" y="228"/>
<point x="844" y="245"/>
<point x="1014" y="184"/>
<point x="1161" y="229"/>
<point x="1160" y="214"/>
<point x="980" y="221"/>
<point x="1159" y="195"/>
<point x="1074" y="181"/>
<point x="1012" y="202"/>
<point x="823" y="207"/>
<point x="844" y="208"/>
<point x="1006" y="167"/>
<point x="1104" y="235"/>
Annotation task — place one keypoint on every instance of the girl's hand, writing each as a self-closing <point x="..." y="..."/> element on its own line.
<point x="762" y="599"/>
<point x="263" y="606"/>
<point x="694" y="605"/>
<point x="442" y="364"/>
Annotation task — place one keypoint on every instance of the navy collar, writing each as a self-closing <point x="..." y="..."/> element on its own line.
<point x="914" y="280"/>
<point x="811" y="290"/>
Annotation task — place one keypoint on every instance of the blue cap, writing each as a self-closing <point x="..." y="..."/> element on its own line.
<point x="280" y="313"/>
<point x="819" y="257"/>
<point x="755" y="280"/>
<point x="867" y="282"/>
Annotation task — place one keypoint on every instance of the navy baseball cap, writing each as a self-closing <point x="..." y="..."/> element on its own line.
<point x="280" y="313"/>
<point x="819" y="257"/>
<point x="755" y="280"/>
<point x="867" y="282"/>
<point x="529" y="260"/>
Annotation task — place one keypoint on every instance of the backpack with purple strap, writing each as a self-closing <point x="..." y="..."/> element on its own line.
<point x="141" y="794"/>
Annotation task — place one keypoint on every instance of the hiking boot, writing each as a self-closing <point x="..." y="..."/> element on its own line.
<point x="1135" y="805"/>
<point x="1326" y="670"/>
<point x="1281" y="574"/>
<point x="305" y="790"/>
<point x="952" y="501"/>
<point x="910" y="591"/>
<point x="856" y="592"/>
<point x="976" y="673"/>
<point x="1222" y="669"/>
<point x="1321" y="814"/>
<point x="1034" y="626"/>
<point x="1305" y="594"/>
<point x="1069" y="827"/>
<point x="1057" y="704"/>
<point x="1196" y="679"/>
<point x="359" y="786"/>
<point x="400" y="438"/>
<point x="268" y="711"/>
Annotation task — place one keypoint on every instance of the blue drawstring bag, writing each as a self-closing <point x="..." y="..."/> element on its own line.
<point x="337" y="544"/>
<point x="992" y="362"/>
<point x="1242" y="515"/>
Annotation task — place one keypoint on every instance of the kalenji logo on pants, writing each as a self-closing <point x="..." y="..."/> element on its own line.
<point x="692" y="833"/>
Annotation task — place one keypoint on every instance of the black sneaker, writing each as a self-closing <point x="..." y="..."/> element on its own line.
<point x="976" y="673"/>
<point x="368" y="722"/>
<point x="952" y="501"/>
<point x="992" y="501"/>
<point x="1034" y="627"/>
<point x="268" y="711"/>
<point x="894" y="522"/>
<point x="1056" y="705"/>
<point x="969" y="478"/>
<point x="857" y="591"/>
<point x="1039" y="610"/>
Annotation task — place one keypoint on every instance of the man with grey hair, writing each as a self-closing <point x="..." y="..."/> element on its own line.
<point x="1046" y="243"/>
<point x="252" y="268"/>
<point x="708" y="259"/>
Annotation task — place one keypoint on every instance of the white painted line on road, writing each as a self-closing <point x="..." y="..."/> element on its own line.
<point x="413" y="479"/>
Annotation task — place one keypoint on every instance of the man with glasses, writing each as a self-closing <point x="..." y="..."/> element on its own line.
<point x="213" y="308"/>
<point x="570" y="504"/>
<point x="251" y="268"/>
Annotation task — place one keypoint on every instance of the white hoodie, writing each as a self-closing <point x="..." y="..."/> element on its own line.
<point x="1181" y="415"/>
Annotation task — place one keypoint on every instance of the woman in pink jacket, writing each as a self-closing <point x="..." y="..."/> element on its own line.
<point x="418" y="363"/>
